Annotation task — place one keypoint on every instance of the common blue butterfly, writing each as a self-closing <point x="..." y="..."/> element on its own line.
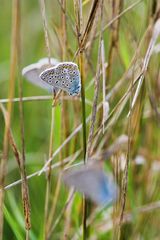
<point x="64" y="76"/>
<point x="93" y="182"/>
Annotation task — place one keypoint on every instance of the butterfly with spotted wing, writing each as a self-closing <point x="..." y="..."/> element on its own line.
<point x="64" y="76"/>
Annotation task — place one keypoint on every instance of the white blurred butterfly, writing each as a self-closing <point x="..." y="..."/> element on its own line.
<point x="93" y="182"/>
<point x="32" y="72"/>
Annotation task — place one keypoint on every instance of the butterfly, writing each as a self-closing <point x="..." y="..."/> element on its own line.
<point x="64" y="76"/>
<point x="93" y="182"/>
<point x="32" y="72"/>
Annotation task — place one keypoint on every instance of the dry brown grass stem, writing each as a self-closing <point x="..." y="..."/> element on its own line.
<point x="3" y="163"/>
<point x="45" y="27"/>
<point x="93" y="32"/>
<point x="107" y="225"/>
<point x="83" y="36"/>
<point x="64" y="107"/>
<point x="118" y="145"/>
<point x="69" y="199"/>
<point x="96" y="94"/>
<point x="51" y="214"/>
<point x="64" y="111"/>
<point x="77" y="129"/>
<point x="155" y="34"/>
<point x="90" y="22"/>
<point x="54" y="166"/>
<point x="104" y="81"/>
<point x="68" y="219"/>
<point x="124" y="187"/>
<point x="116" y="9"/>
<point x="49" y="224"/>
<point x="48" y="173"/>
<point x="114" y="114"/>
<point x="156" y="31"/>
<point x="48" y="176"/>
<point x="128" y="216"/>
<point x="68" y="18"/>
<point x="64" y="114"/>
<point x="79" y="27"/>
<point x="24" y="186"/>
<point x="64" y="30"/>
<point x="116" y="18"/>
<point x="78" y="18"/>
<point x="11" y="138"/>
<point x="56" y="194"/>
<point x="122" y="102"/>
<point x="44" y="98"/>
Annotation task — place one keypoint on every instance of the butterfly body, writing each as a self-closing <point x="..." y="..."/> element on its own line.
<point x="64" y="76"/>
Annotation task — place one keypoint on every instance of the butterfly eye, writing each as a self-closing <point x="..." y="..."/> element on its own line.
<point x="55" y="76"/>
<point x="50" y="81"/>
<point x="63" y="82"/>
<point x="62" y="77"/>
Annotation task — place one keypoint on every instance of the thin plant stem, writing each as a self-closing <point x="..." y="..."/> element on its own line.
<point x="45" y="27"/>
<point x="48" y="173"/>
<point x="79" y="24"/>
<point x="116" y="9"/>
<point x="4" y="159"/>
<point x="24" y="186"/>
<point x="85" y="234"/>
<point x="53" y="166"/>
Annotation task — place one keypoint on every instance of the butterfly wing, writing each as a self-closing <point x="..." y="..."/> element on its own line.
<point x="70" y="77"/>
<point x="64" y="76"/>
<point x="32" y="72"/>
<point x="93" y="182"/>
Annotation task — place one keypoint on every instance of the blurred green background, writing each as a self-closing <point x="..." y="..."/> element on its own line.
<point x="143" y="185"/>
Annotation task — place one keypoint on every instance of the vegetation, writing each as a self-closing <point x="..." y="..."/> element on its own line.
<point x="115" y="119"/>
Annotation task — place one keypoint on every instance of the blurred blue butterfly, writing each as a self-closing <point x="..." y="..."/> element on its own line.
<point x="64" y="76"/>
<point x="93" y="182"/>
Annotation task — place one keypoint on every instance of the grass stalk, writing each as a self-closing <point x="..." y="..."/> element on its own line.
<point x="85" y="202"/>
<point x="24" y="186"/>
<point x="13" y="62"/>
<point x="116" y="9"/>
<point x="48" y="173"/>
<point x="79" y="24"/>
